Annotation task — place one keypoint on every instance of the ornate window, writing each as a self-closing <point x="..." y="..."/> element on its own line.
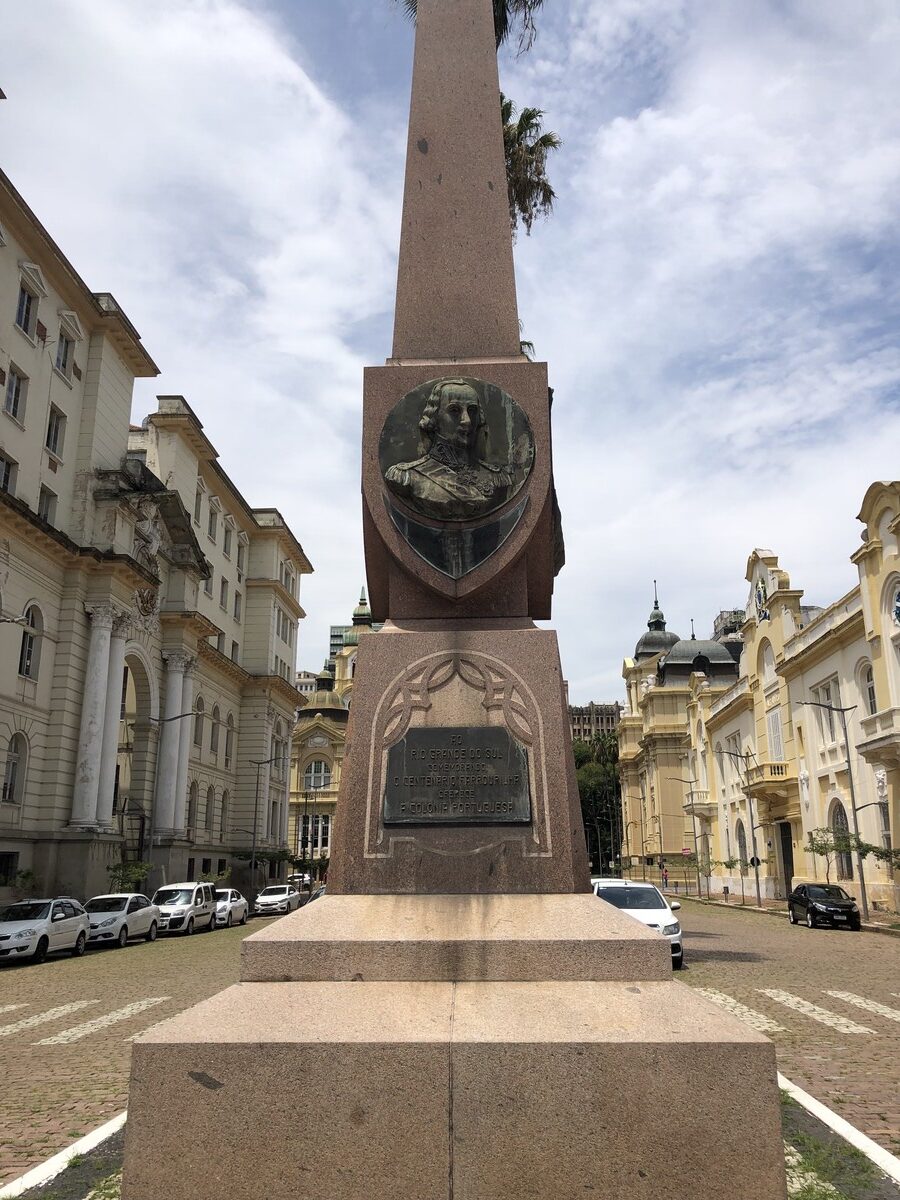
<point x="30" y="650"/>
<point x="14" y="770"/>
<point x="199" y="710"/>
<point x="868" y="690"/>
<point x="742" y="846"/>
<point x="214" y="731"/>
<point x="229" y="741"/>
<point x="317" y="775"/>
<point x="193" y="796"/>
<point x="841" y="828"/>
<point x="210" y="808"/>
<point x="223" y="816"/>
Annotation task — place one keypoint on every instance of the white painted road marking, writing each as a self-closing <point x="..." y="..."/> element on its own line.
<point x="842" y="1024"/>
<point x="112" y="1018"/>
<point x="4" y="1008"/>
<point x="749" y="1016"/>
<point x="882" y="1010"/>
<point x="52" y="1014"/>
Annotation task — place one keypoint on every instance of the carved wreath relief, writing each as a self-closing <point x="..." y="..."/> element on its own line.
<point x="454" y="451"/>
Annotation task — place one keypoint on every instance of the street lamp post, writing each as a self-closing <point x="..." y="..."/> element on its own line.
<point x="257" y="762"/>
<point x="864" y="900"/>
<point x="628" y="825"/>
<point x="694" y="829"/>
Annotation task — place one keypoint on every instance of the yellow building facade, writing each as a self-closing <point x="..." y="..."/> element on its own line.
<point x="752" y="766"/>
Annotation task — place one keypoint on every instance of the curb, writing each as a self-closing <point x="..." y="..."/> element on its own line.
<point x="866" y="926"/>
<point x="886" y="1162"/>
<point x="48" y="1170"/>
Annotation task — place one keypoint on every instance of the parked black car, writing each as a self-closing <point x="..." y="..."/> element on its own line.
<point x="822" y="903"/>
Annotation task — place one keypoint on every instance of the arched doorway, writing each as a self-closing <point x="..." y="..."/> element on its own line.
<point x="840" y="827"/>
<point x="136" y="758"/>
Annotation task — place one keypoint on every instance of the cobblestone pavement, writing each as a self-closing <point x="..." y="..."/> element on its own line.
<point x="66" y="1028"/>
<point x="828" y="998"/>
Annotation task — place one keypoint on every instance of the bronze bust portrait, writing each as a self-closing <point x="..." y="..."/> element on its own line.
<point x="475" y="449"/>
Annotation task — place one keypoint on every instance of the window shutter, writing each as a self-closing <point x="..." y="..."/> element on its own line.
<point x="41" y="331"/>
<point x="76" y="371"/>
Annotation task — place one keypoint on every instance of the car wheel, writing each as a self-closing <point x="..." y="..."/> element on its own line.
<point x="151" y="932"/>
<point x="122" y="940"/>
<point x="40" y="954"/>
<point x="212" y="923"/>
<point x="856" y="927"/>
<point x="228" y="921"/>
<point x="80" y="943"/>
<point x="678" y="963"/>
<point x="244" y="918"/>
<point x="189" y="928"/>
<point x="810" y="919"/>
<point x="791" y="917"/>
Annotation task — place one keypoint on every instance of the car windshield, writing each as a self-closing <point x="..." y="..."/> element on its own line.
<point x="632" y="897"/>
<point x="829" y="891"/>
<point x="27" y="910"/>
<point x="220" y="896"/>
<point x="274" y="891"/>
<point x="173" y="896"/>
<point x="106" y="904"/>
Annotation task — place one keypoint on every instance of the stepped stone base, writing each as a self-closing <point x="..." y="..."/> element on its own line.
<point x="454" y="1091"/>
<point x="492" y="937"/>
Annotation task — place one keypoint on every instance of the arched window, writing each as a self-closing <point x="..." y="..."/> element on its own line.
<point x="223" y="817"/>
<point x="868" y="690"/>
<point x="229" y="741"/>
<point x="210" y="808"/>
<point x="214" y="731"/>
<point x="30" y="650"/>
<point x="840" y="826"/>
<point x="279" y="751"/>
<point x="317" y="775"/>
<point x="766" y="665"/>
<point x="193" y="795"/>
<point x="14" y="770"/>
<point x="742" y="846"/>
<point x="199" y="710"/>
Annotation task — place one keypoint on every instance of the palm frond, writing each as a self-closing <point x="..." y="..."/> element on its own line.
<point x="507" y="13"/>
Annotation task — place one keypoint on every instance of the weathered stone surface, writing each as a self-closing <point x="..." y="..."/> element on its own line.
<point x="476" y="938"/>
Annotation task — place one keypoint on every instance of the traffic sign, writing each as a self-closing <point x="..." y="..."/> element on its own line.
<point x="755" y="862"/>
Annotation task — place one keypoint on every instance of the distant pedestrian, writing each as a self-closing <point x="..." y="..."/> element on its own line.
<point x="665" y="877"/>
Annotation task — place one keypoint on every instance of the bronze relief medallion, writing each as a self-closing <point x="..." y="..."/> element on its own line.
<point x="456" y="449"/>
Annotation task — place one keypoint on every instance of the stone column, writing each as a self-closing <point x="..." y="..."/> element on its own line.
<point x="121" y="627"/>
<point x="93" y="711"/>
<point x="286" y="799"/>
<point x="167" y="764"/>
<point x="185" y="737"/>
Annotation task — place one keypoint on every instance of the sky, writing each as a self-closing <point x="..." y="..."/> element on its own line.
<point x="716" y="292"/>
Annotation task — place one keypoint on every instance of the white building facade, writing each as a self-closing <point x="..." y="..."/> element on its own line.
<point x="149" y="614"/>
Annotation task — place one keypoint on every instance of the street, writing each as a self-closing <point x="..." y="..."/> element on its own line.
<point x="829" y="999"/>
<point x="66" y="1028"/>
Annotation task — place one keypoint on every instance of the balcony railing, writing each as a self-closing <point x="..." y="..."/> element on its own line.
<point x="771" y="775"/>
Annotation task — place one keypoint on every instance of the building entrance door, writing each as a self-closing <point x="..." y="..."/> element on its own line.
<point x="787" y="856"/>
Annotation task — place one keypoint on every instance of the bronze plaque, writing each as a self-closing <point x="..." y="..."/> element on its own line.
<point x="456" y="449"/>
<point x="457" y="775"/>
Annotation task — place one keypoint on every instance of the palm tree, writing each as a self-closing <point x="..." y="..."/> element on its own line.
<point x="527" y="147"/>
<point x="507" y="13"/>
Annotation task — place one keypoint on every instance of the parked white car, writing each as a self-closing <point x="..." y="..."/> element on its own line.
<point x="35" y="928"/>
<point x="648" y="905"/>
<point x="277" y="898"/>
<point x="119" y="916"/>
<point x="184" y="907"/>
<point x="231" y="907"/>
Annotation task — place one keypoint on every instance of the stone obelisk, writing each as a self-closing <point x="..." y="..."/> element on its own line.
<point x="459" y="1018"/>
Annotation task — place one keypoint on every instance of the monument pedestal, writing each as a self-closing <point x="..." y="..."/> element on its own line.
<point x="481" y="1088"/>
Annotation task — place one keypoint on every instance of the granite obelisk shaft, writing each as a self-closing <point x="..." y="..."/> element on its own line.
<point x="456" y="291"/>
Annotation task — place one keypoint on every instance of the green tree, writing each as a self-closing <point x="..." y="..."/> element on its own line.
<point x="526" y="147"/>
<point x="829" y="843"/>
<point x="128" y="876"/>
<point x="508" y="16"/>
<point x="598" y="789"/>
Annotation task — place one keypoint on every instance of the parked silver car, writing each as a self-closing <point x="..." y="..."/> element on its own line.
<point x="277" y="898"/>
<point x="231" y="907"/>
<point x="35" y="928"/>
<point x="119" y="916"/>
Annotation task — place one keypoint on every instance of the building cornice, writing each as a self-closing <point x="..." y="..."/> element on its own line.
<point x="275" y="585"/>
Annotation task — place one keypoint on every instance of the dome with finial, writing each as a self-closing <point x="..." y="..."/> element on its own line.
<point x="657" y="639"/>
<point x="362" y="620"/>
<point x="325" y="699"/>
